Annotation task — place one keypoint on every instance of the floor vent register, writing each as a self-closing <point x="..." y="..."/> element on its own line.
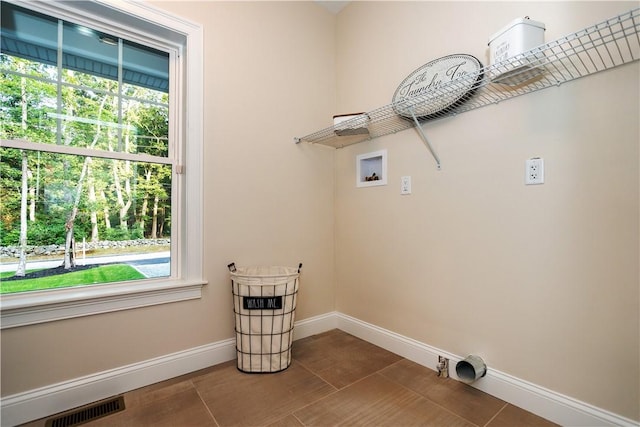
<point x="87" y="413"/>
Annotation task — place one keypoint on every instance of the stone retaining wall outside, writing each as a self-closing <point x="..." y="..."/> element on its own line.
<point x="14" y="251"/>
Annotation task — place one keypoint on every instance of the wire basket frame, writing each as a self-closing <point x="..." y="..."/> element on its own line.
<point x="264" y="303"/>
<point x="603" y="46"/>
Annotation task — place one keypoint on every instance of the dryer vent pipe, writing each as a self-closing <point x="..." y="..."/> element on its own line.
<point x="471" y="369"/>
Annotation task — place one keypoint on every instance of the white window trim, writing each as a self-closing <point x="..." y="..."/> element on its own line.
<point x="45" y="306"/>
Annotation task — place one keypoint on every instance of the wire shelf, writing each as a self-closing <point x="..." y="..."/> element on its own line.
<point x="603" y="46"/>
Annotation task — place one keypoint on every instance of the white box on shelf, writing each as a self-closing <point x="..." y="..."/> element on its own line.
<point x="519" y="36"/>
<point x="371" y="169"/>
<point x="351" y="124"/>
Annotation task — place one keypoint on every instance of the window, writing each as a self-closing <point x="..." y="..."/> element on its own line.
<point x="95" y="157"/>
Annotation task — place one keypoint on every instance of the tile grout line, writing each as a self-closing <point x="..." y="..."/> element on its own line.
<point x="346" y="421"/>
<point x="335" y="390"/>
<point x="298" y="419"/>
<point x="378" y="372"/>
<point x="420" y="395"/>
<point x="496" y="414"/>
<point x="205" y="404"/>
<point x="436" y="403"/>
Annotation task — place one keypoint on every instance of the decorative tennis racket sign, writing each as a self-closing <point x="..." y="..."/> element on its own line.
<point x="438" y="87"/>
<point x="262" y="303"/>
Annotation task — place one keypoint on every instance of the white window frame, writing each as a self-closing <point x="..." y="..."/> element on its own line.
<point x="29" y="308"/>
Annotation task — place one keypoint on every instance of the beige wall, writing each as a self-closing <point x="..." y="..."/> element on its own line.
<point x="269" y="76"/>
<point x="541" y="281"/>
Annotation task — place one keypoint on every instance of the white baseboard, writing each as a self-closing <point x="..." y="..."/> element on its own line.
<point x="42" y="402"/>
<point x="34" y="404"/>
<point x="315" y="325"/>
<point x="548" y="404"/>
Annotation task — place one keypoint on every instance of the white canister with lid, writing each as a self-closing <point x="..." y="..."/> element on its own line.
<point x="519" y="36"/>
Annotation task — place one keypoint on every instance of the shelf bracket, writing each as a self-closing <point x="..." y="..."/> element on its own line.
<point x="424" y="138"/>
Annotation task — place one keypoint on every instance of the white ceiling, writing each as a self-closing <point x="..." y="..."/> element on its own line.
<point x="333" y="6"/>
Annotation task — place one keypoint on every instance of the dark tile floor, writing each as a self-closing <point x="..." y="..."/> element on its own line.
<point x="334" y="379"/>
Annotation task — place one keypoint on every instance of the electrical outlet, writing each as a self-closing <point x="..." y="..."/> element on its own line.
<point x="405" y="185"/>
<point x="534" y="171"/>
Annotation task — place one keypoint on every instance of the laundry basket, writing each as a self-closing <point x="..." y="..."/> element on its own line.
<point x="264" y="304"/>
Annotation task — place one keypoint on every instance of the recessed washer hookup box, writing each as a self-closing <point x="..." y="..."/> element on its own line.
<point x="519" y="36"/>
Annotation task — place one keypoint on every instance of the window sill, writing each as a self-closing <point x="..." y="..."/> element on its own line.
<point x="39" y="307"/>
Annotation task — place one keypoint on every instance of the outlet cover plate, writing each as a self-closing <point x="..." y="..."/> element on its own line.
<point x="405" y="185"/>
<point x="534" y="171"/>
